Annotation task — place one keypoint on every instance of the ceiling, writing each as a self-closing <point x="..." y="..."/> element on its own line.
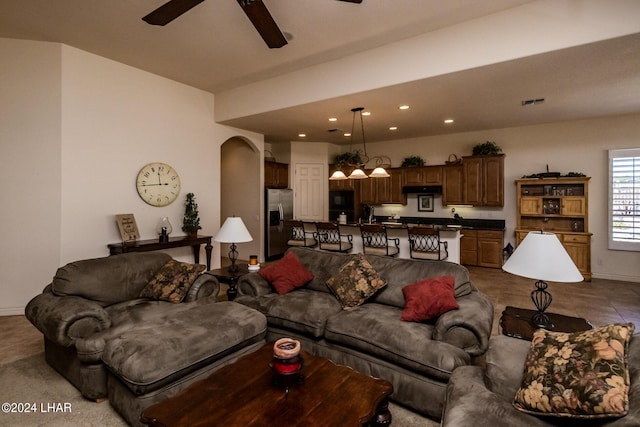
<point x="215" y="48"/>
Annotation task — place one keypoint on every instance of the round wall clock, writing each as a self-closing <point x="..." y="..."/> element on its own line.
<point x="158" y="184"/>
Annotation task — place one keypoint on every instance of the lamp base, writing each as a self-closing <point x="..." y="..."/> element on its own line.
<point x="542" y="300"/>
<point x="233" y="256"/>
<point x="541" y="320"/>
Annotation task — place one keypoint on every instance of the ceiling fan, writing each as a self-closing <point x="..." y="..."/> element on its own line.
<point x="255" y="10"/>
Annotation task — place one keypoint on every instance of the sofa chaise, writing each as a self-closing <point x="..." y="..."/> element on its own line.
<point x="416" y="357"/>
<point x="109" y="342"/>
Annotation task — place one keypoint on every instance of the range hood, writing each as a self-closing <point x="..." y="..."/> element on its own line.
<point x="422" y="189"/>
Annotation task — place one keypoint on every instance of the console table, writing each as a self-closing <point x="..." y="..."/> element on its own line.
<point x="174" y="242"/>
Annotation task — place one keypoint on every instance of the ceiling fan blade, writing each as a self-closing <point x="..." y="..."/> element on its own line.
<point x="352" y="1"/>
<point x="170" y="11"/>
<point x="260" y="17"/>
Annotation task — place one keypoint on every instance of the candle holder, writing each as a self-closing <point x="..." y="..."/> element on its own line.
<point x="287" y="363"/>
<point x="254" y="265"/>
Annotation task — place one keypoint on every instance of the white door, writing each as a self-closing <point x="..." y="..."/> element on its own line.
<point x="310" y="189"/>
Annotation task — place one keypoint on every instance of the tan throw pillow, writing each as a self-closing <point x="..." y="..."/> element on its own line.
<point x="355" y="282"/>
<point x="578" y="375"/>
<point x="172" y="282"/>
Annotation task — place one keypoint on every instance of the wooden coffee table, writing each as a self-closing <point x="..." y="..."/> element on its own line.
<point x="516" y="322"/>
<point x="243" y="394"/>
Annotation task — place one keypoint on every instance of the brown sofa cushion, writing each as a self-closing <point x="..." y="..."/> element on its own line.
<point x="355" y="282"/>
<point x="581" y="375"/>
<point x="172" y="282"/>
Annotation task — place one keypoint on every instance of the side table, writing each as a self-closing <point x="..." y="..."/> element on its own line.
<point x="224" y="276"/>
<point x="516" y="322"/>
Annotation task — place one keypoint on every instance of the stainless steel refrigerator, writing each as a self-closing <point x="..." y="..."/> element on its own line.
<point x="279" y="208"/>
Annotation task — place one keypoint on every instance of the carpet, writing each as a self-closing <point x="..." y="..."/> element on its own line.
<point x="31" y="385"/>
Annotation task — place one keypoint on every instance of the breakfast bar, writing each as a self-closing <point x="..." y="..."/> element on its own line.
<point x="398" y="230"/>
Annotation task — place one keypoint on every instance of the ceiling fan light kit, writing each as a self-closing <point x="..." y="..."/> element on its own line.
<point x="255" y="10"/>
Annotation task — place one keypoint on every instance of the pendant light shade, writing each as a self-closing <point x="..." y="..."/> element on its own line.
<point x="379" y="172"/>
<point x="358" y="174"/>
<point x="338" y="176"/>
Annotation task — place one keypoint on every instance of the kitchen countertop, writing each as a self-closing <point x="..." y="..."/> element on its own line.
<point x="481" y="224"/>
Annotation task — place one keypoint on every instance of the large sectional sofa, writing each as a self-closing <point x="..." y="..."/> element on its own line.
<point x="111" y="343"/>
<point x="418" y="358"/>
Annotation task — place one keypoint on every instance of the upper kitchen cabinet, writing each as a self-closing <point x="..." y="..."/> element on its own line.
<point x="425" y="175"/>
<point x="389" y="190"/>
<point x="478" y="182"/>
<point x="276" y="175"/>
<point x="453" y="185"/>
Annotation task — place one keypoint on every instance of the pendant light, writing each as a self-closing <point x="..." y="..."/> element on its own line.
<point x="358" y="173"/>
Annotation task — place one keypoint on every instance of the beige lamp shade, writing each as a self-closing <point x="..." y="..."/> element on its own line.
<point x="541" y="256"/>
<point x="233" y="231"/>
<point x="379" y="172"/>
<point x="338" y="176"/>
<point x="358" y="174"/>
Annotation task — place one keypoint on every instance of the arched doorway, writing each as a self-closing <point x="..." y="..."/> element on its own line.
<point x="241" y="192"/>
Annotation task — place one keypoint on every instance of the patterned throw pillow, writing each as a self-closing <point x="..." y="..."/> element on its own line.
<point x="428" y="298"/>
<point x="286" y="274"/>
<point x="579" y="375"/>
<point x="355" y="282"/>
<point x="172" y="282"/>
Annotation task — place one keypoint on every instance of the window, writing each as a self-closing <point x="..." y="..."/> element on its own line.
<point x="624" y="199"/>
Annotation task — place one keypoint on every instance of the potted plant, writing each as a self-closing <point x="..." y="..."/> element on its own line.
<point x="412" y="161"/>
<point x="191" y="221"/>
<point x="349" y="158"/>
<point x="486" y="148"/>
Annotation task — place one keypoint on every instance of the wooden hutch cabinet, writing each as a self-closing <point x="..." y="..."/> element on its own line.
<point x="558" y="205"/>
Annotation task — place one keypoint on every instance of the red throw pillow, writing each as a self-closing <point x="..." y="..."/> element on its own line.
<point x="286" y="274"/>
<point x="428" y="298"/>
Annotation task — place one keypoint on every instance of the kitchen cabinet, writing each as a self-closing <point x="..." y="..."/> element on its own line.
<point x="469" y="247"/>
<point x="276" y="175"/>
<point x="453" y="185"/>
<point x="425" y="175"/>
<point x="389" y="190"/>
<point x="482" y="248"/>
<point x="479" y="181"/>
<point x="484" y="180"/>
<point x="558" y="205"/>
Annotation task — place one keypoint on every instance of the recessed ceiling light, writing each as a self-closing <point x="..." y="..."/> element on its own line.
<point x="403" y="107"/>
<point x="347" y="134"/>
<point x="448" y="121"/>
<point x="366" y="113"/>
<point x="302" y="135"/>
<point x="393" y="128"/>
<point x="333" y="119"/>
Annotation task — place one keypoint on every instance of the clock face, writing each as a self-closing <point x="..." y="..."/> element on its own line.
<point x="158" y="184"/>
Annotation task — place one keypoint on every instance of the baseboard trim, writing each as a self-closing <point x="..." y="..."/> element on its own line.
<point x="618" y="277"/>
<point x="12" y="311"/>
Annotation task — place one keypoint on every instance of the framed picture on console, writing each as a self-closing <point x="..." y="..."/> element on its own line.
<point x="425" y="202"/>
<point x="127" y="227"/>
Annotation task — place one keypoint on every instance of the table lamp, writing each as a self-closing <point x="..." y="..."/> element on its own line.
<point x="233" y="231"/>
<point x="542" y="257"/>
